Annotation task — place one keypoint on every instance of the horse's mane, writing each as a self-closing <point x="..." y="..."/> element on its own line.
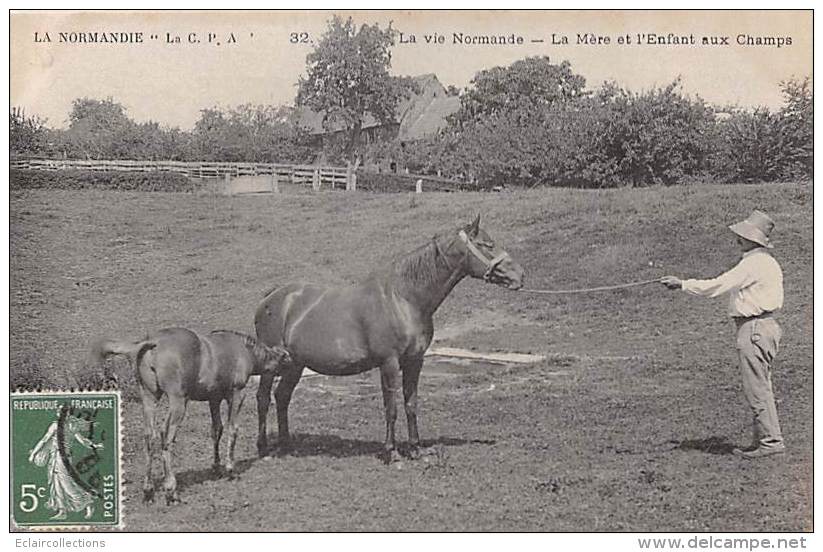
<point x="261" y="352"/>
<point x="419" y="266"/>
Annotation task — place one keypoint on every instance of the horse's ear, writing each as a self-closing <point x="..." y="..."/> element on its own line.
<point x="474" y="226"/>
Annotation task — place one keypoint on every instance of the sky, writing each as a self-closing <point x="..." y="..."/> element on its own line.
<point x="170" y="82"/>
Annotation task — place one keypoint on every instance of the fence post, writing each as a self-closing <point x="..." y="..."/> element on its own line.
<point x="418" y="186"/>
<point x="227" y="183"/>
<point x="351" y="179"/>
<point x="315" y="180"/>
<point x="275" y="187"/>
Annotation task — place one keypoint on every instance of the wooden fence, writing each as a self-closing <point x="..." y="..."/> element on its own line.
<point x="313" y="175"/>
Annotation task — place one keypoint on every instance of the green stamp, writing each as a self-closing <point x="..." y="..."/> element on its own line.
<point x="65" y="459"/>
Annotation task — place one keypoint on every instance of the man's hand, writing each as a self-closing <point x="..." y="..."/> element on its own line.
<point x="671" y="282"/>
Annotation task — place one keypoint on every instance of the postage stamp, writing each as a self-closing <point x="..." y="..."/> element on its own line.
<point x="65" y="453"/>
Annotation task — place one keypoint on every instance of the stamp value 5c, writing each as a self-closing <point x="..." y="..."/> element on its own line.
<point x="65" y="459"/>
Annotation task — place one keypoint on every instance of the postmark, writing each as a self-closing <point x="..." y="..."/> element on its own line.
<point x="66" y="460"/>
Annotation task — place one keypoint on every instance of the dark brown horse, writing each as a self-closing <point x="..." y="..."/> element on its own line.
<point x="384" y="321"/>
<point x="187" y="366"/>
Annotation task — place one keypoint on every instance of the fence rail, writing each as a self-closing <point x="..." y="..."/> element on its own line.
<point x="296" y="174"/>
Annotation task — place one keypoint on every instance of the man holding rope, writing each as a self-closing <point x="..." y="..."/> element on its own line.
<point x="755" y="288"/>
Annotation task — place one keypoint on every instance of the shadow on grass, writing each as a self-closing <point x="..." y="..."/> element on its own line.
<point x="305" y="445"/>
<point x="189" y="478"/>
<point x="333" y="446"/>
<point x="710" y="445"/>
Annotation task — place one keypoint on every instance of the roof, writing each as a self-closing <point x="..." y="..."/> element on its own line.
<point x="421" y="114"/>
<point x="429" y="120"/>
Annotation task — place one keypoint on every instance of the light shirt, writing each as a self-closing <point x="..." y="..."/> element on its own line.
<point x="754" y="285"/>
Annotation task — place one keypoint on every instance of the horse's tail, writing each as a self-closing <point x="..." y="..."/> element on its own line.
<point x="104" y="348"/>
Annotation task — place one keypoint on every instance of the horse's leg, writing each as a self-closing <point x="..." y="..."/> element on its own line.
<point x="150" y="437"/>
<point x="235" y="404"/>
<point x="289" y="379"/>
<point x="411" y="375"/>
<point x="390" y="382"/>
<point x="177" y="411"/>
<point x="263" y="402"/>
<point x="216" y="431"/>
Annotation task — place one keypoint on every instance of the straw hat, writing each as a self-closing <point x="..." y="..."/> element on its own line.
<point x="756" y="228"/>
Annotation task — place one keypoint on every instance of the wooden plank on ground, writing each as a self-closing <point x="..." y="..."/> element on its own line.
<point x="506" y="358"/>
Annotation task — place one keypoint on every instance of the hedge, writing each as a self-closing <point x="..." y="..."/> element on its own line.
<point x="390" y="182"/>
<point x="72" y="179"/>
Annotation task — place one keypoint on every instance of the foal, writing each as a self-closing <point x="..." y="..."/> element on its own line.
<point x="186" y="366"/>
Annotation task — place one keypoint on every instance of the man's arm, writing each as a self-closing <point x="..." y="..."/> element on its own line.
<point x="736" y="278"/>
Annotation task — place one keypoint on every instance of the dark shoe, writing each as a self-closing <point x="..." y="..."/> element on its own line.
<point x="740" y="451"/>
<point x="763" y="452"/>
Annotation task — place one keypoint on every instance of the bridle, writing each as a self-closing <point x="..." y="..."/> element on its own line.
<point x="490" y="264"/>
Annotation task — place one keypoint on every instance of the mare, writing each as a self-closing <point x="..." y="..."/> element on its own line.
<point x="382" y="322"/>
<point x="187" y="366"/>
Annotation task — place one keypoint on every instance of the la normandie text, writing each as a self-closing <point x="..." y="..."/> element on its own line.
<point x="91" y="37"/>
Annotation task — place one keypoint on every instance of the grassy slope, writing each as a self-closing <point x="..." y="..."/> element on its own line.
<point x="619" y="429"/>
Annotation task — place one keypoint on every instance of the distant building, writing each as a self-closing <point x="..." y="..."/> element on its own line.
<point x="422" y="114"/>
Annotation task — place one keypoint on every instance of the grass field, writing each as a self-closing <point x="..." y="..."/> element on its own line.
<point x="628" y="424"/>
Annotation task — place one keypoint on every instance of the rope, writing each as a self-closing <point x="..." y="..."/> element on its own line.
<point x="588" y="290"/>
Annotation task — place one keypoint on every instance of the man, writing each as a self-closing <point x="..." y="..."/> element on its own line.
<point x="755" y="288"/>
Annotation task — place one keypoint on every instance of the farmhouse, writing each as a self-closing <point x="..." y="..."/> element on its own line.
<point x="422" y="114"/>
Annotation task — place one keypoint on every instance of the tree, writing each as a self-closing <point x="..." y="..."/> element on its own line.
<point x="658" y="136"/>
<point x="348" y="79"/>
<point x="749" y="147"/>
<point x="27" y="133"/>
<point x="253" y="133"/>
<point x="796" y="121"/>
<point x="760" y="145"/>
<point x="97" y="129"/>
<point x="526" y="86"/>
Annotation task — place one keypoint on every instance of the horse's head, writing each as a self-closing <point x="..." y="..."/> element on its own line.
<point x="276" y="358"/>
<point x="486" y="260"/>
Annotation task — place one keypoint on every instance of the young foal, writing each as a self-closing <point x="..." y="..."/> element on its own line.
<point x="186" y="366"/>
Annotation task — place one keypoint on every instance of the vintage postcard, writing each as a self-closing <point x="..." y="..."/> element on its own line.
<point x="413" y="271"/>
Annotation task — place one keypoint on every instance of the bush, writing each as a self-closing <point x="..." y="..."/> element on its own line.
<point x="656" y="137"/>
<point x="584" y="141"/>
<point x="390" y="182"/>
<point x="760" y="145"/>
<point x="71" y="179"/>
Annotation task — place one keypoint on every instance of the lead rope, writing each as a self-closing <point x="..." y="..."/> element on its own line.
<point x="588" y="290"/>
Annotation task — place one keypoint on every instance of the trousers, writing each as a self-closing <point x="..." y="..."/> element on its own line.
<point x="758" y="341"/>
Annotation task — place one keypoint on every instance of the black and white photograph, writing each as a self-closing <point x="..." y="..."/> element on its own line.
<point x="544" y="272"/>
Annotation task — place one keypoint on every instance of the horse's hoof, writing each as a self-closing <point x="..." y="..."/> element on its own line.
<point x="217" y="470"/>
<point x="390" y="456"/>
<point x="148" y="496"/>
<point x="232" y="475"/>
<point x="172" y="498"/>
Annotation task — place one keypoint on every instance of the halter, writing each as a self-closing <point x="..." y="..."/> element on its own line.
<point x="490" y="264"/>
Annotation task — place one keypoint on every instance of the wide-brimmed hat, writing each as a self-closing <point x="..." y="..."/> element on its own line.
<point x="756" y="228"/>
